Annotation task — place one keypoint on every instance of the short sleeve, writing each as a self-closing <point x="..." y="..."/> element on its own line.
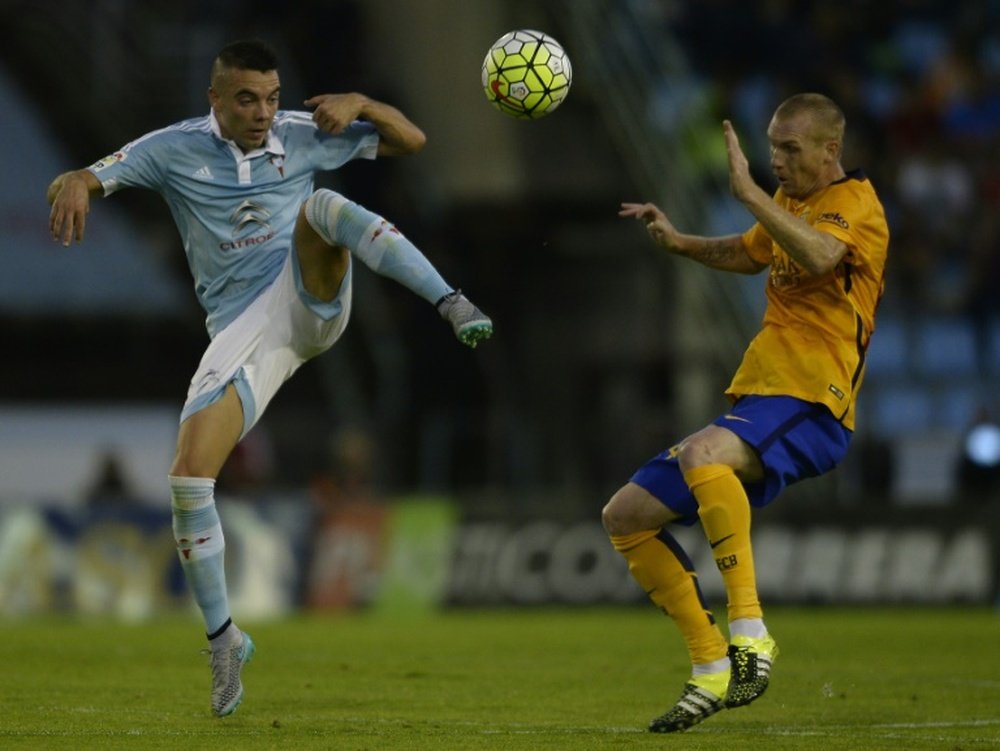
<point x="757" y="244"/>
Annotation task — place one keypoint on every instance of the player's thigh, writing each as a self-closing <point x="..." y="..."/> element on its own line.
<point x="207" y="437"/>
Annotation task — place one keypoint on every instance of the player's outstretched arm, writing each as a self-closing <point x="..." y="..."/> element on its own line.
<point x="724" y="253"/>
<point x="69" y="195"/>
<point x="660" y="229"/>
<point x="397" y="135"/>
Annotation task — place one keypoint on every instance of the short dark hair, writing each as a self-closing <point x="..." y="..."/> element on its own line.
<point x="248" y="54"/>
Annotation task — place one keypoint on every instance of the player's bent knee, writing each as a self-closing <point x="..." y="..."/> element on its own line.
<point x="694" y="452"/>
<point x="608" y="518"/>
<point x="633" y="509"/>
<point x="618" y="515"/>
<point x="321" y="213"/>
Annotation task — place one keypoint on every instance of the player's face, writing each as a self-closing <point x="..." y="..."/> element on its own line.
<point x="245" y="102"/>
<point x="799" y="158"/>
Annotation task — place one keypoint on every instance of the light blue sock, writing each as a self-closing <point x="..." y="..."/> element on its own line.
<point x="201" y="546"/>
<point x="381" y="246"/>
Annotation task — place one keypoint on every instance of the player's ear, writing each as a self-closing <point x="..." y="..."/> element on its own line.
<point x="213" y="96"/>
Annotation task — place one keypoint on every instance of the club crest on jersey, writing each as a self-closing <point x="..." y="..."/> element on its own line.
<point x="118" y="156"/>
<point x="251" y="226"/>
<point x="279" y="162"/>
<point x="784" y="271"/>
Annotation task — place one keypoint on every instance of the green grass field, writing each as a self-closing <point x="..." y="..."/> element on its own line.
<point x="858" y="679"/>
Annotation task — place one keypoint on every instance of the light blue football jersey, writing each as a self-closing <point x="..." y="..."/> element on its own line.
<point x="235" y="212"/>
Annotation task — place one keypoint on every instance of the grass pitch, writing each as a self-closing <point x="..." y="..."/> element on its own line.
<point x="862" y="680"/>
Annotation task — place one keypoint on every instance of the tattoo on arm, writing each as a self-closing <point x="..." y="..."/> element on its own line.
<point x="719" y="252"/>
<point x="724" y="253"/>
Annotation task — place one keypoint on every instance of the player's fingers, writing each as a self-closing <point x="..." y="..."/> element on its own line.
<point x="729" y="131"/>
<point x="634" y="209"/>
<point x="69" y="230"/>
<point x="326" y="121"/>
<point x="66" y="231"/>
<point x="650" y="214"/>
<point x="80" y="225"/>
<point x="332" y="125"/>
<point x="69" y="226"/>
<point x="732" y="140"/>
<point x="55" y="222"/>
<point x="61" y="226"/>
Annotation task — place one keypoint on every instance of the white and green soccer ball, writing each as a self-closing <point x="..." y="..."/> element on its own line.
<point x="526" y="74"/>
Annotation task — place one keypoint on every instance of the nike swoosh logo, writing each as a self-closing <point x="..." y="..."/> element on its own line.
<point x="735" y="417"/>
<point x="721" y="540"/>
<point x="495" y="86"/>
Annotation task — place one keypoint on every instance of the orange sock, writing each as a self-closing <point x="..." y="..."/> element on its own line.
<point x="725" y="516"/>
<point x="663" y="570"/>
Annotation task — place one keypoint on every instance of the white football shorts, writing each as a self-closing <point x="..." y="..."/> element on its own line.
<point x="261" y="349"/>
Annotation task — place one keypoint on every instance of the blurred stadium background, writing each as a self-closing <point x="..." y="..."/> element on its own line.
<point x="401" y="470"/>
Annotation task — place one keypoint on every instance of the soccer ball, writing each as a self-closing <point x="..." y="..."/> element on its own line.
<point x="526" y="74"/>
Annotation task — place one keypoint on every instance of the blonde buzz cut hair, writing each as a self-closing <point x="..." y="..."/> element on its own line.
<point x="826" y="115"/>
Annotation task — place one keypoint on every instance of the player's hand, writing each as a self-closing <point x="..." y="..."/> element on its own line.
<point x="657" y="225"/>
<point x="334" y="112"/>
<point x="741" y="184"/>
<point x="69" y="195"/>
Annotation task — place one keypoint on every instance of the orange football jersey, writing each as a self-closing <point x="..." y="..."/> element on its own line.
<point x="816" y="328"/>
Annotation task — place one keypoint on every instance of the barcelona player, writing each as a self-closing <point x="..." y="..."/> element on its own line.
<point x="824" y="239"/>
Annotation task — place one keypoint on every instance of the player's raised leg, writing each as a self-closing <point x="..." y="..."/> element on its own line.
<point x="340" y="223"/>
<point x="205" y="439"/>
